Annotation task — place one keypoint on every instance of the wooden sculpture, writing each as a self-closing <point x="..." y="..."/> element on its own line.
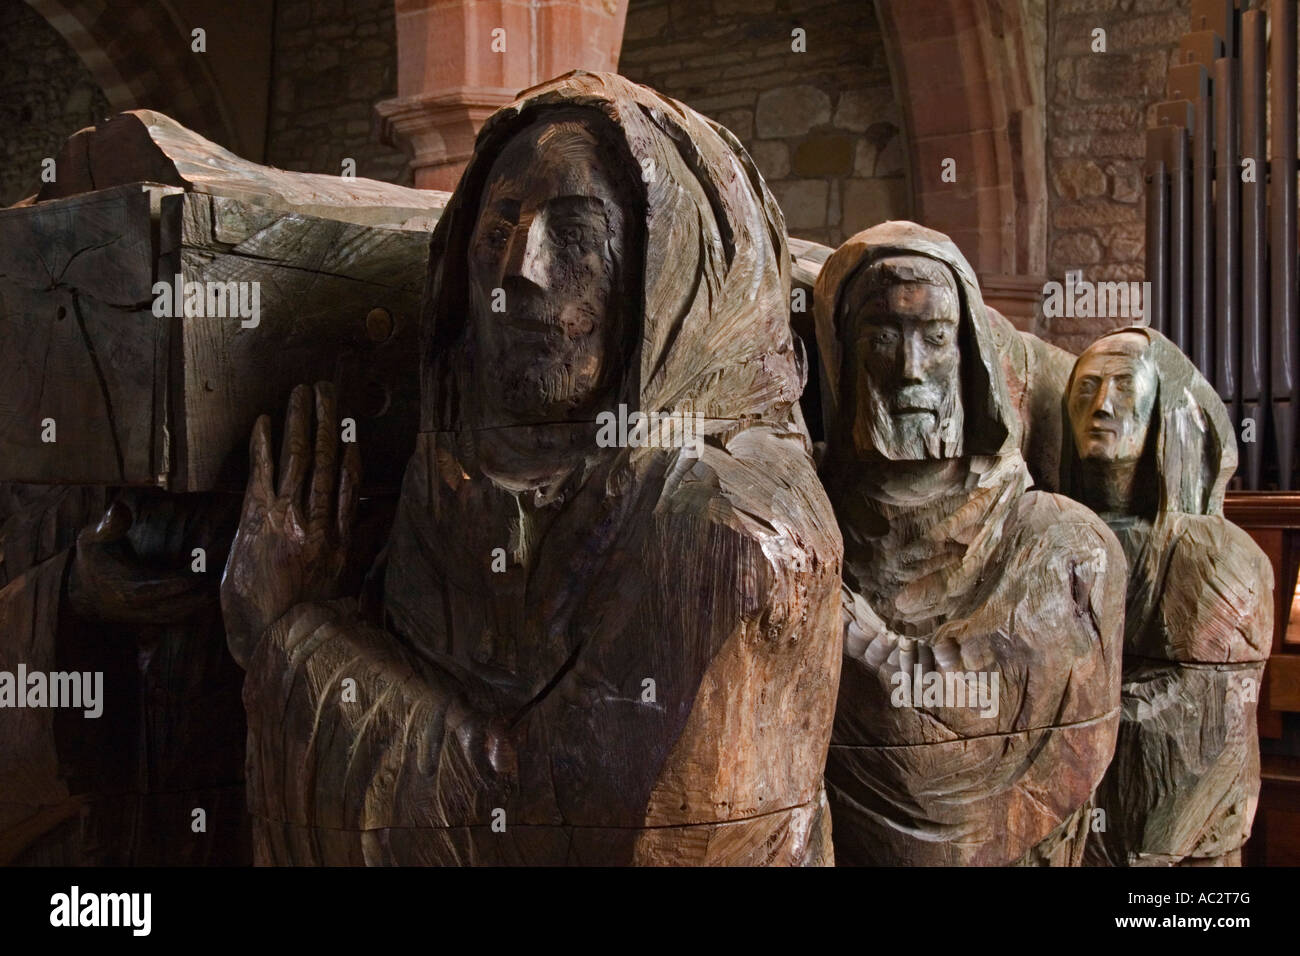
<point x="979" y="698"/>
<point x="1150" y="448"/>
<point x="114" y="399"/>
<point x="572" y="652"/>
<point x="160" y="389"/>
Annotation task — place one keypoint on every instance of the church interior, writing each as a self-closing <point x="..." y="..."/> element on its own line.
<point x="1063" y="146"/>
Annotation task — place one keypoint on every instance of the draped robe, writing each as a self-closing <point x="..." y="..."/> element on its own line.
<point x="652" y="678"/>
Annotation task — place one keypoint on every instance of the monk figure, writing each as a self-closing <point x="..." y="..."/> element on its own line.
<point x="1150" y="448"/>
<point x="606" y="627"/>
<point x="979" y="698"/>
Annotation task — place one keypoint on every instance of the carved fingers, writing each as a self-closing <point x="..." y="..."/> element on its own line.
<point x="294" y="533"/>
<point x="109" y="582"/>
<point x="320" y="501"/>
<point x="295" y="448"/>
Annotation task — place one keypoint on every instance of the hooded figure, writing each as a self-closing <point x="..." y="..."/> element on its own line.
<point x="979" y="697"/>
<point x="1149" y="446"/>
<point x="589" y="650"/>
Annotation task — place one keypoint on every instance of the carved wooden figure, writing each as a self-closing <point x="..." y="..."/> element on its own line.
<point x="137" y="395"/>
<point x="1150" y="448"/>
<point x="580" y="647"/>
<point x="979" y="697"/>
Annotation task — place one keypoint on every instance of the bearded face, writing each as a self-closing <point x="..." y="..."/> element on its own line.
<point x="543" y="268"/>
<point x="902" y="325"/>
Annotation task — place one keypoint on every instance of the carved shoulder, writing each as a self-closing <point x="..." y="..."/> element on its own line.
<point x="762" y="532"/>
<point x="1217" y="600"/>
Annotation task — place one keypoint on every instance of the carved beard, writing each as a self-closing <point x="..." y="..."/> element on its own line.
<point x="556" y="370"/>
<point x="914" y="437"/>
<point x="545" y="357"/>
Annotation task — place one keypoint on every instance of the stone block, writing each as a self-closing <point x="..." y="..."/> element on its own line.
<point x="1076" y="249"/>
<point x="772" y="158"/>
<point x="742" y="8"/>
<point x="791" y="111"/>
<point x="645" y="20"/>
<point x="879" y="152"/>
<point x="803" y="201"/>
<point x="1087" y="213"/>
<point x="869" y="201"/>
<point x="858" y="109"/>
<point x="739" y="121"/>
<point x="1115" y="76"/>
<point x="1078" y="179"/>
<point x="828" y="154"/>
<point x="1127" y="183"/>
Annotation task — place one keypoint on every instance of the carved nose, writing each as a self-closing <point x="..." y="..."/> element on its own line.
<point x="526" y="257"/>
<point x="1102" y="403"/>
<point x="911" y="358"/>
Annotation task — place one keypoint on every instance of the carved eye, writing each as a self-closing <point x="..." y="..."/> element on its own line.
<point x="938" y="337"/>
<point x="569" y="234"/>
<point x="497" y="236"/>
<point x="884" y="338"/>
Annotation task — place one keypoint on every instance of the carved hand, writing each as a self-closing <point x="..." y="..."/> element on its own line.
<point x="863" y="629"/>
<point x="111" y="583"/>
<point x="291" y="546"/>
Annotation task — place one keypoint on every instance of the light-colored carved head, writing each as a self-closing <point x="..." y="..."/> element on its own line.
<point x="1112" y="394"/>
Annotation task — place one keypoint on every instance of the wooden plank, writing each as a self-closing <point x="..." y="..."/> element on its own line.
<point x="1275" y="838"/>
<point x="148" y="145"/>
<point x="1262" y="509"/>
<point x="1283" y="677"/>
<point x="338" y="302"/>
<point x="81" y="341"/>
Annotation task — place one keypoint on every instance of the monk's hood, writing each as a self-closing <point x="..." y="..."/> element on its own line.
<point x="1190" y="439"/>
<point x="713" y="299"/>
<point x="992" y="424"/>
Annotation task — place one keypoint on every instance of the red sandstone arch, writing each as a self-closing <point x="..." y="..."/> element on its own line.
<point x="140" y="56"/>
<point x="970" y="90"/>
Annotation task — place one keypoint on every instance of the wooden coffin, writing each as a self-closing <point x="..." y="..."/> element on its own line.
<point x="104" y="378"/>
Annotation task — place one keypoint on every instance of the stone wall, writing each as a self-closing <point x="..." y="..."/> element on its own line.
<point x="1098" y="109"/>
<point x="46" y="95"/>
<point x="822" y="125"/>
<point x="332" y="61"/>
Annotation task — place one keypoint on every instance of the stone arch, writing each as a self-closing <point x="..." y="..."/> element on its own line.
<point x="969" y="77"/>
<point x="141" y="59"/>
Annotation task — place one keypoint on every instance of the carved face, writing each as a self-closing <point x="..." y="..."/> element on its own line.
<point x="903" y="325"/>
<point x="544" y="264"/>
<point x="1111" y="398"/>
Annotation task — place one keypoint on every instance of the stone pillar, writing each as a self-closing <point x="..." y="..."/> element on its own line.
<point x="967" y="74"/>
<point x="458" y="61"/>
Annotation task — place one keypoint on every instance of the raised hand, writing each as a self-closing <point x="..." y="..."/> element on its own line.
<point x="293" y="538"/>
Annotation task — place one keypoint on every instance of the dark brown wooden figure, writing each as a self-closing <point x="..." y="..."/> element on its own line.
<point x="1150" y="448"/>
<point x="581" y="648"/>
<point x="980" y="692"/>
<point x="121" y="606"/>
